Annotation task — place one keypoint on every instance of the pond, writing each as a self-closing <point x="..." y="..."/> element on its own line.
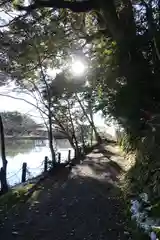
<point x="32" y="152"/>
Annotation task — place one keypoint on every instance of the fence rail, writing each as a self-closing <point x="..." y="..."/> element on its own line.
<point x="46" y="164"/>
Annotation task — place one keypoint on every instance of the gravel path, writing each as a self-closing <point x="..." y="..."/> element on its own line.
<point x="84" y="203"/>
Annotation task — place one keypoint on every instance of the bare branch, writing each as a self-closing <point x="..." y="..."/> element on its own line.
<point x="22" y="99"/>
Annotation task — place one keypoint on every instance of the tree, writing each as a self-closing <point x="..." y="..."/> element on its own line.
<point x="122" y="26"/>
<point x="89" y="117"/>
<point x="65" y="115"/>
<point x="34" y="77"/>
<point x="65" y="89"/>
<point x="3" y="170"/>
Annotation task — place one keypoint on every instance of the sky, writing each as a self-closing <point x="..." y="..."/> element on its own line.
<point x="9" y="104"/>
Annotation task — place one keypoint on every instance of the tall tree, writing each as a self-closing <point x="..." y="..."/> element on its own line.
<point x="3" y="170"/>
<point x="121" y="24"/>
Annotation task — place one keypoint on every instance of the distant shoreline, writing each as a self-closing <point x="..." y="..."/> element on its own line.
<point x="32" y="137"/>
<point x="26" y="137"/>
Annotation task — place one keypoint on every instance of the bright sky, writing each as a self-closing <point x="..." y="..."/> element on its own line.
<point x="9" y="104"/>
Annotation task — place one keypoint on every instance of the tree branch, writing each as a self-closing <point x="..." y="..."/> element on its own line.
<point x="22" y="99"/>
<point x="81" y="6"/>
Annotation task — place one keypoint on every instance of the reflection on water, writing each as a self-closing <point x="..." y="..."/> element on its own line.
<point x="32" y="152"/>
<point x="17" y="146"/>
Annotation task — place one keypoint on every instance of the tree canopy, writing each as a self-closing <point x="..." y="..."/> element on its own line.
<point x="125" y="50"/>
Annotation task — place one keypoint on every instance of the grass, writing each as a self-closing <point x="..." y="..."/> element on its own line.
<point x="157" y="231"/>
<point x="12" y="197"/>
<point x="155" y="211"/>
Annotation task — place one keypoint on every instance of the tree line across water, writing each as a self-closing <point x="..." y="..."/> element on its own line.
<point x="18" y="124"/>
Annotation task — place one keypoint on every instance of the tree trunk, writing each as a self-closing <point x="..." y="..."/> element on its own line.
<point x="71" y="142"/>
<point x="72" y="124"/>
<point x="70" y="139"/>
<point x="91" y="117"/>
<point x="3" y="171"/>
<point x="50" y="136"/>
<point x="91" y="138"/>
<point x="82" y="137"/>
<point x="98" y="138"/>
<point x="75" y="143"/>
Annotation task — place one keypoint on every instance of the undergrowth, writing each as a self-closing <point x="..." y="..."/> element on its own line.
<point x="12" y="197"/>
<point x="143" y="177"/>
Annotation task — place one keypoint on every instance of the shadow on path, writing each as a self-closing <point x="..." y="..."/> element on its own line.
<point x="79" y="203"/>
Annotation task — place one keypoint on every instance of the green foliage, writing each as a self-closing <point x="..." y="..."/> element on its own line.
<point x="144" y="175"/>
<point x="157" y="230"/>
<point x="124" y="143"/>
<point x="12" y="197"/>
<point x="155" y="210"/>
<point x="127" y="141"/>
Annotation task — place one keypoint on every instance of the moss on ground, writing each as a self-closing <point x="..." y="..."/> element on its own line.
<point x="155" y="211"/>
<point x="157" y="231"/>
<point x="12" y="197"/>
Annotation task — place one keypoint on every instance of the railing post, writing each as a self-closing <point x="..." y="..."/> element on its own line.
<point x="59" y="157"/>
<point x="69" y="155"/>
<point x="24" y="170"/>
<point x="45" y="164"/>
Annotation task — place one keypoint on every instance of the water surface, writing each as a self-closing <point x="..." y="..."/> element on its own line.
<point x="33" y="153"/>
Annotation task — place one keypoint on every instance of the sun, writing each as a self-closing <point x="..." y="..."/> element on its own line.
<point x="78" y="68"/>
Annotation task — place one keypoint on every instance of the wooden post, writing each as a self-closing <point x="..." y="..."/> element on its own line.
<point x="24" y="170"/>
<point x="59" y="157"/>
<point x="45" y="164"/>
<point x="69" y="155"/>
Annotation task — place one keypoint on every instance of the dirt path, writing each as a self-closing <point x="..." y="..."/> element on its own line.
<point x="84" y="203"/>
